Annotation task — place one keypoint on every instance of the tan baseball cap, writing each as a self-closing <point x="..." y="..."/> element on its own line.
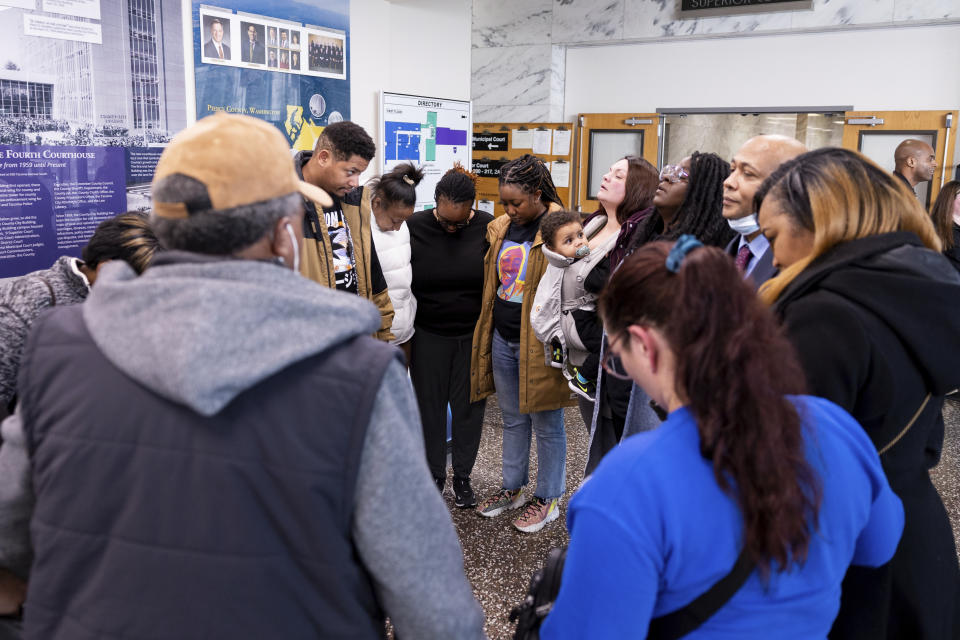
<point x="239" y="159"/>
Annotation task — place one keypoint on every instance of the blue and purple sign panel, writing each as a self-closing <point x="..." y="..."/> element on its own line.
<point x="283" y="62"/>
<point x="51" y="200"/>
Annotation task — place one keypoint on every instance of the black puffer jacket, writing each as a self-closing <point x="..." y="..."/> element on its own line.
<point x="875" y="325"/>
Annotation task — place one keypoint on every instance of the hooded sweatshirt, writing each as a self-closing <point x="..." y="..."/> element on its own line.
<point x="201" y="331"/>
<point x="875" y="326"/>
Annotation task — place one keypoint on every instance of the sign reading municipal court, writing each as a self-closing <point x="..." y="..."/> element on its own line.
<point x="491" y="141"/>
<point x="691" y="8"/>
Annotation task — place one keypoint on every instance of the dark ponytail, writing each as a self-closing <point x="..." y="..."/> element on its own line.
<point x="734" y="371"/>
<point x="398" y="186"/>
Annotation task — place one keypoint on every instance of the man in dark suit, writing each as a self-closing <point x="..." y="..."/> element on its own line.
<point x="752" y="163"/>
<point x="252" y="50"/>
<point x="215" y="47"/>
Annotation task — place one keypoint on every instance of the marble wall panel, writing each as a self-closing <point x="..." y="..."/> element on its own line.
<point x="833" y="13"/>
<point x="512" y="75"/>
<point x="587" y="20"/>
<point x="913" y="10"/>
<point x="558" y="76"/>
<point x="498" y="23"/>
<point x="512" y="113"/>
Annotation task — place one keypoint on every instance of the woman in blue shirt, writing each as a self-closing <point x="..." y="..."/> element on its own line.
<point x="743" y="462"/>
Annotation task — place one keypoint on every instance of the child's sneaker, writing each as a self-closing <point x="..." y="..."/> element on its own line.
<point x="536" y="514"/>
<point x="582" y="387"/>
<point x="556" y="353"/>
<point x="501" y="501"/>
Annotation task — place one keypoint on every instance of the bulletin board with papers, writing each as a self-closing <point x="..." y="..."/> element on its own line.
<point x="496" y="143"/>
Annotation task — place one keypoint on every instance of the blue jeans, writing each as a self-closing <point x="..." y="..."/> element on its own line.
<point x="517" y="429"/>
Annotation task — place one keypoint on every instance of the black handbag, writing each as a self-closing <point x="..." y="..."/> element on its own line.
<point x="545" y="585"/>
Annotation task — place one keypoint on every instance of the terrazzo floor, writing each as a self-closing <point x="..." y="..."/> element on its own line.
<point x="499" y="559"/>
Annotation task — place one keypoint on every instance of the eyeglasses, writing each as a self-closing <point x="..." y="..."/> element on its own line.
<point x="456" y="226"/>
<point x="611" y="363"/>
<point x="673" y="173"/>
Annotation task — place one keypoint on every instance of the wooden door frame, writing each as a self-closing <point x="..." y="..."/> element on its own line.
<point x="651" y="146"/>
<point x="929" y="122"/>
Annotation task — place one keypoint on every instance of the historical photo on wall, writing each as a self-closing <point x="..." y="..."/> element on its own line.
<point x="326" y="54"/>
<point x="252" y="49"/>
<point x="216" y="38"/>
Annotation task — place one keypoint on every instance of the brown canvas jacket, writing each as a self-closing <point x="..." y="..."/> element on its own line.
<point x="542" y="388"/>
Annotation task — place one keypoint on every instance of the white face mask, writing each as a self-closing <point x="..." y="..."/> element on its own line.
<point x="745" y="225"/>
<point x="296" y="247"/>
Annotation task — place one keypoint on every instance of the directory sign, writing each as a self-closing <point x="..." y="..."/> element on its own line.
<point x="432" y="133"/>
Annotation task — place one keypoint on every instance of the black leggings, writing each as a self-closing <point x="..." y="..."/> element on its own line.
<point x="440" y="370"/>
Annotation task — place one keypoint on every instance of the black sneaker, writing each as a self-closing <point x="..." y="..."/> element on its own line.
<point x="465" y="497"/>
<point x="440" y="482"/>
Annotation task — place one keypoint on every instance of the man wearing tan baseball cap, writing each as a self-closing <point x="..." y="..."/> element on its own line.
<point x="219" y="447"/>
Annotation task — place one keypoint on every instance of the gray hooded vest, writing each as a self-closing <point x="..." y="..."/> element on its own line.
<point x="232" y="525"/>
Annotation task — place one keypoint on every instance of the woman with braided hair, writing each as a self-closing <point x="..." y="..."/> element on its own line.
<point x="508" y="358"/>
<point x="447" y="245"/>
<point x="689" y="200"/>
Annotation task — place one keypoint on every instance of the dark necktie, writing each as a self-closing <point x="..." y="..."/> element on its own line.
<point x="743" y="258"/>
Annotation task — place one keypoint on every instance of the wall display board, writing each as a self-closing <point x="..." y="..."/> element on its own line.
<point x="495" y="143"/>
<point x="429" y="132"/>
<point x="283" y="62"/>
<point x="90" y="92"/>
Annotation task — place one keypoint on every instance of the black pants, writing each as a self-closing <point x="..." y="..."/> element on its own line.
<point x="440" y="370"/>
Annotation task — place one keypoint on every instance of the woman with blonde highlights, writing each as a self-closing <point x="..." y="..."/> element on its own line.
<point x="868" y="301"/>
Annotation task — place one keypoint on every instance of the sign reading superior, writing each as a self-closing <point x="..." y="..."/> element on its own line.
<point x="721" y="7"/>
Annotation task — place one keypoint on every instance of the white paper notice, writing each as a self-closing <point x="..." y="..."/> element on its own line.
<point x="522" y="139"/>
<point x="20" y="4"/>
<point x="485" y="205"/>
<point x="541" y="141"/>
<point x="79" y="8"/>
<point x="561" y="142"/>
<point x="47" y="27"/>
<point x="560" y="172"/>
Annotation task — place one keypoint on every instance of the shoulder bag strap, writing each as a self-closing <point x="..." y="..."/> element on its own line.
<point x="683" y="621"/>
<point x="903" y="432"/>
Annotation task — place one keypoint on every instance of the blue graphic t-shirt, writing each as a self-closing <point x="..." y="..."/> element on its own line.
<point x="512" y="261"/>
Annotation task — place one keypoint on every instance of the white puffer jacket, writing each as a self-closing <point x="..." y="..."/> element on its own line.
<point x="393" y="250"/>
